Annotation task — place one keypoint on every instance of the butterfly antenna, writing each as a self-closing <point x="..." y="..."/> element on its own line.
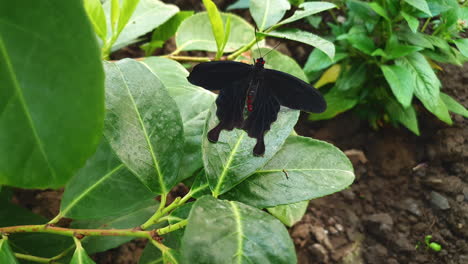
<point x="258" y="48"/>
<point x="272" y="49"/>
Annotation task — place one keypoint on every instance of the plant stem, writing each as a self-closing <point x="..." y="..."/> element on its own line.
<point x="55" y="219"/>
<point x="426" y="24"/>
<point x="170" y="228"/>
<point x="158" y="214"/>
<point x="187" y="58"/>
<point x="236" y="54"/>
<point x="34" y="258"/>
<point x="71" y="232"/>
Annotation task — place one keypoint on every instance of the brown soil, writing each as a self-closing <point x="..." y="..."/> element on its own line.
<point x="406" y="187"/>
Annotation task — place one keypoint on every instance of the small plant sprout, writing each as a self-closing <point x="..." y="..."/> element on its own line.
<point x="432" y="245"/>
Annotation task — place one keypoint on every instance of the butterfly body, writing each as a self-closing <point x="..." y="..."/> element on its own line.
<point x="250" y="96"/>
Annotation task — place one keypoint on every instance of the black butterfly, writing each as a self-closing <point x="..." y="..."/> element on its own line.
<point x="250" y="96"/>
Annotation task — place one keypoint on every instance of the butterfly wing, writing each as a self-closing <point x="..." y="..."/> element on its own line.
<point x="293" y="92"/>
<point x="265" y="112"/>
<point x="231" y="78"/>
<point x="216" y="75"/>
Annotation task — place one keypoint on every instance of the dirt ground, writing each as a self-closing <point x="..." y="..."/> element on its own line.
<point x="406" y="187"/>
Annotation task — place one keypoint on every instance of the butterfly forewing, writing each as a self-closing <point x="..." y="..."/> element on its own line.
<point x="215" y="75"/>
<point x="293" y="92"/>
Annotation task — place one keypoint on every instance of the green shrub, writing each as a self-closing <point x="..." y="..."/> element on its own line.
<point x="386" y="55"/>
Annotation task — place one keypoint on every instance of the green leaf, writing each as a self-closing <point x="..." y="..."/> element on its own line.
<point x="6" y="255"/>
<point x="124" y="221"/>
<point x="352" y="77"/>
<point x="399" y="50"/>
<point x="358" y="38"/>
<point x="165" y="31"/>
<point x="308" y="9"/>
<point x="174" y="77"/>
<point x="426" y="84"/>
<point x="216" y="24"/>
<point x="303" y="169"/>
<point x="420" y="5"/>
<point x="318" y="60"/>
<point x="405" y="116"/>
<point x="314" y="21"/>
<point x="230" y="160"/>
<point x="227" y="32"/>
<point x="195" y="33"/>
<point x="453" y="105"/>
<point x="289" y="214"/>
<point x="380" y="10"/>
<point x="462" y="45"/>
<point x="51" y="96"/>
<point x="416" y="39"/>
<point x="305" y="37"/>
<point x="143" y="124"/>
<point x="91" y="192"/>
<point x="81" y="257"/>
<point x="114" y="14"/>
<point x="363" y="11"/>
<point x="97" y="17"/>
<point x="240" y="4"/>
<point x="148" y="15"/>
<point x="266" y="13"/>
<point x="337" y="103"/>
<point x="227" y="232"/>
<point x="128" y="7"/>
<point x="413" y="22"/>
<point x="400" y="81"/>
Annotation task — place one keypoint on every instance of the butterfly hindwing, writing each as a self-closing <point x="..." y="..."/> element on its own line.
<point x="216" y="75"/>
<point x="230" y="107"/>
<point x="265" y="112"/>
<point x="294" y="93"/>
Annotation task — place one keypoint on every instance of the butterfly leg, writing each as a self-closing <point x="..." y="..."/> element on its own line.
<point x="259" y="148"/>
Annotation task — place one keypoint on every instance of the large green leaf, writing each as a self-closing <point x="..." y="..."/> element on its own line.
<point x="231" y="232"/>
<point x="148" y="15"/>
<point x="81" y="257"/>
<point x="195" y="33"/>
<point x="143" y="124"/>
<point x="6" y="255"/>
<point x="453" y="105"/>
<point x="97" y="17"/>
<point x="91" y="193"/>
<point x="421" y="5"/>
<point x="303" y="169"/>
<point x="231" y="160"/>
<point x="308" y="9"/>
<point x="305" y="37"/>
<point x="52" y="92"/>
<point x="193" y="102"/>
<point x="129" y="220"/>
<point x="126" y="12"/>
<point x="289" y="214"/>
<point x="266" y="13"/>
<point x="401" y="83"/>
<point x="426" y="84"/>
